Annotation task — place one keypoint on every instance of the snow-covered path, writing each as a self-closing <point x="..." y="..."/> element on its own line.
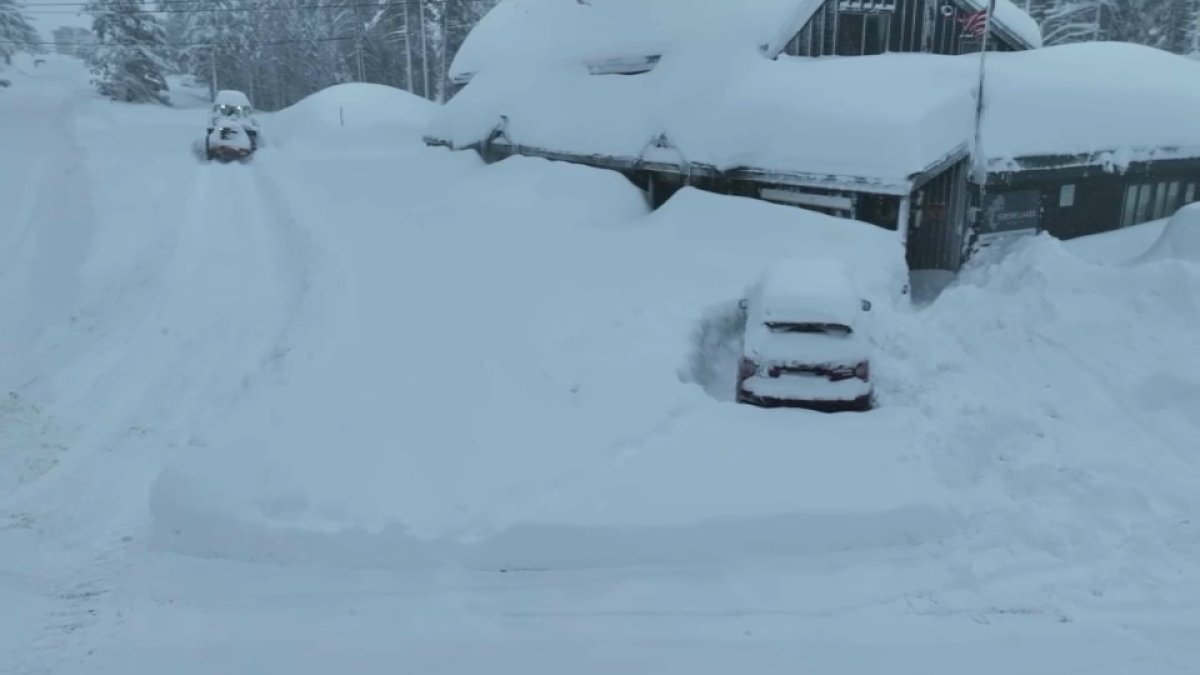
<point x="362" y="405"/>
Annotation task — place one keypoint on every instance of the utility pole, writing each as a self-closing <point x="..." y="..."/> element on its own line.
<point x="408" y="55"/>
<point x="443" y="67"/>
<point x="424" y="52"/>
<point x="212" y="72"/>
<point x="1196" y="29"/>
<point x="362" y="73"/>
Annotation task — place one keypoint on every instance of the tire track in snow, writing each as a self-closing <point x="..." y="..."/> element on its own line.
<point x="233" y="285"/>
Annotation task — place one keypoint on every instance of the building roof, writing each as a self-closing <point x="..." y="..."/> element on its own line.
<point x="627" y="35"/>
<point x="873" y="121"/>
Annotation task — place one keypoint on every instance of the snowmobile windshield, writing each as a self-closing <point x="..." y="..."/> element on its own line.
<point x="228" y="110"/>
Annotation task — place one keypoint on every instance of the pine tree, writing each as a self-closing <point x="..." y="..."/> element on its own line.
<point x="16" y="33"/>
<point x="128" y="62"/>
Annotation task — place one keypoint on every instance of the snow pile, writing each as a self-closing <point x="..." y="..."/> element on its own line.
<point x="622" y="35"/>
<point x="1180" y="239"/>
<point x="1119" y="246"/>
<point x="355" y="108"/>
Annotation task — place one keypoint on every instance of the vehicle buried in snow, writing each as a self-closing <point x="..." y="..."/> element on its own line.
<point x="803" y="345"/>
<point x="233" y="129"/>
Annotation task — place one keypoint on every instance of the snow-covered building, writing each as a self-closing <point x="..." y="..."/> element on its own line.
<point x="759" y="99"/>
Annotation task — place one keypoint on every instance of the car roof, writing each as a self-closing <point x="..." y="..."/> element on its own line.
<point x="231" y="97"/>
<point x="808" y="290"/>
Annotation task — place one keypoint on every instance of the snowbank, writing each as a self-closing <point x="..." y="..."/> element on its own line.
<point x="1180" y="239"/>
<point x="354" y="107"/>
<point x="1118" y="246"/>
<point x="824" y="118"/>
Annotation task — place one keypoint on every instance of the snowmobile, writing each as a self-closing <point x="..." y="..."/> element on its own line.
<point x="233" y="130"/>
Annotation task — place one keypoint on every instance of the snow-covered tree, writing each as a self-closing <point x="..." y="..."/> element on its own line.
<point x="129" y="60"/>
<point x="1172" y="25"/>
<point x="16" y="33"/>
<point x="1067" y="21"/>
<point x="1158" y="23"/>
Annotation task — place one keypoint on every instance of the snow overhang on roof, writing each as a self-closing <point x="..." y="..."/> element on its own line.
<point x="627" y="36"/>
<point x="873" y="124"/>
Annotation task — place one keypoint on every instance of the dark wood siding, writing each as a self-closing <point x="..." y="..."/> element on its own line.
<point x="936" y="223"/>
<point x="864" y="27"/>
<point x="1090" y="200"/>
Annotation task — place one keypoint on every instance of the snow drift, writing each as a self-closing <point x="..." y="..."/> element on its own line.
<point x="1180" y="239"/>
<point x="355" y="108"/>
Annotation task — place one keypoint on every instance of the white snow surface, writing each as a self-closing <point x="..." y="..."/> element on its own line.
<point x="296" y="415"/>
<point x="824" y="117"/>
<point x="231" y="97"/>
<point x="577" y="33"/>
<point x="1180" y="238"/>
<point x="626" y="32"/>
<point x="355" y="111"/>
<point x="810" y="290"/>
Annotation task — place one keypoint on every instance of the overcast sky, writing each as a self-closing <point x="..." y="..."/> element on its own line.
<point x="62" y="16"/>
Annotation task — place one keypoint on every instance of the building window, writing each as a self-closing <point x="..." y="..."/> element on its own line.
<point x="1066" y="196"/>
<point x="1190" y="195"/>
<point x="1173" y="197"/>
<point x="863" y="34"/>
<point x="1145" y="200"/>
<point x="1160" y="201"/>
<point x="1129" y="209"/>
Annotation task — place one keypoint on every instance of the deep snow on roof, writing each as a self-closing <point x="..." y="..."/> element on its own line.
<point x="231" y="97"/>
<point x="809" y="289"/>
<point x="629" y="31"/>
<point x="600" y="30"/>
<point x="1130" y="101"/>
<point x="878" y="119"/>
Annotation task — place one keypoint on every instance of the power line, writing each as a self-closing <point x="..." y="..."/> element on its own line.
<point x="177" y="3"/>
<point x="212" y="10"/>
<point x="176" y="45"/>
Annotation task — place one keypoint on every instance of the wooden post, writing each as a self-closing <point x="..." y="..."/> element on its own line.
<point x="902" y="220"/>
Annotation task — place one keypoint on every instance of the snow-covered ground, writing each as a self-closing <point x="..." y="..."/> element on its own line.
<point x="370" y="406"/>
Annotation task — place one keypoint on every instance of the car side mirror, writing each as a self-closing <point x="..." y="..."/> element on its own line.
<point x="866" y="305"/>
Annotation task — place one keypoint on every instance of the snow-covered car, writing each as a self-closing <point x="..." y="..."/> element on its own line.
<point x="233" y="128"/>
<point x="228" y="142"/>
<point x="803" y="345"/>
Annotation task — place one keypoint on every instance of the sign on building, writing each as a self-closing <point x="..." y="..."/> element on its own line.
<point x="1010" y="213"/>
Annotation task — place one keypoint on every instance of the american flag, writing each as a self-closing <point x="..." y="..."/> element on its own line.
<point x="974" y="23"/>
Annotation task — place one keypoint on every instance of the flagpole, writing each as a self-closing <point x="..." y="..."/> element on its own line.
<point x="980" y="164"/>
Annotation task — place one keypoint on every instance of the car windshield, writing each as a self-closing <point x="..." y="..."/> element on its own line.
<point x="231" y="110"/>
<point x="834" y="329"/>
